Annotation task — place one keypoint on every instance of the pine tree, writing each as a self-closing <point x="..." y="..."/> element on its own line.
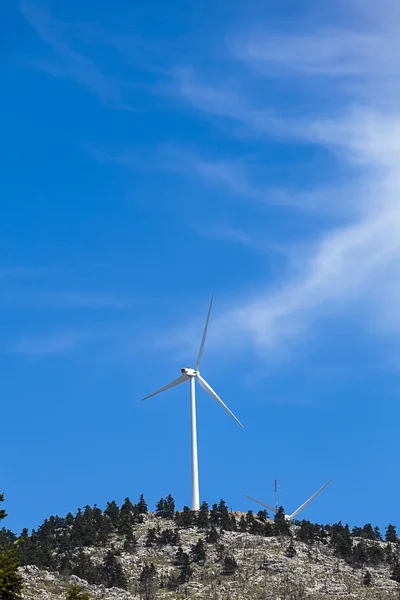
<point x="179" y="557"/>
<point x="341" y="540"/>
<point x="230" y="565"/>
<point x="203" y="520"/>
<point x="242" y="524"/>
<point x="141" y="507"/>
<point x="212" y="536"/>
<point x="148" y="582"/>
<point x="186" y="569"/>
<point x="76" y="592"/>
<point x="391" y="534"/>
<point x="127" y="517"/>
<point x="185" y="518"/>
<point x="169" y="507"/>
<point x="290" y="550"/>
<point x="160" y="508"/>
<point x="281" y="525"/>
<point x="199" y="552"/>
<point x="396" y="572"/>
<point x="151" y="537"/>
<point x="377" y="534"/>
<point x="113" y="573"/>
<point x="10" y="581"/>
<point x="367" y="579"/>
<point x="130" y="543"/>
<point x="262" y="515"/>
<point x="113" y="513"/>
<point x="368" y="532"/>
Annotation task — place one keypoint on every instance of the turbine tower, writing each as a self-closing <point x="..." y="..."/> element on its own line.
<point x="298" y="510"/>
<point x="192" y="375"/>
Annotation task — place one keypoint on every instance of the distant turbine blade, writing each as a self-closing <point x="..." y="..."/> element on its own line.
<point x="203" y="341"/>
<point x="178" y="381"/>
<point x="210" y="391"/>
<point x="262" y="503"/>
<point x="307" y="502"/>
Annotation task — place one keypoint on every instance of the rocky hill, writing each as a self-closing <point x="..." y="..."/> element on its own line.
<point x="211" y="555"/>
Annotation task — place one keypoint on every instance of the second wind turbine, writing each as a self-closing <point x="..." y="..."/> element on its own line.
<point x="192" y="375"/>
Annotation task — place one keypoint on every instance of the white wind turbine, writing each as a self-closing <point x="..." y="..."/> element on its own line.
<point x="298" y="510"/>
<point x="192" y="375"/>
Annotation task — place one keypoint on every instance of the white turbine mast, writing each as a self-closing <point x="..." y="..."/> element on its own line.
<point x="298" y="510"/>
<point x="192" y="375"/>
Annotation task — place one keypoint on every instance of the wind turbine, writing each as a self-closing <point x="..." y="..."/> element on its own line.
<point x="192" y="375"/>
<point x="298" y="510"/>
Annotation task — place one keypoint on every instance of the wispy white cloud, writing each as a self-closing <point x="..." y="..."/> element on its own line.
<point x="357" y="263"/>
<point x="68" y="62"/>
<point x="44" y="346"/>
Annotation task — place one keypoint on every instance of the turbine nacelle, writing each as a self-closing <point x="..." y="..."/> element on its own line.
<point x="189" y="372"/>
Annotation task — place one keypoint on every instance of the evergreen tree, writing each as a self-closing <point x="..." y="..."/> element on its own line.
<point x="203" y="516"/>
<point x="242" y="524"/>
<point x="360" y="554"/>
<point x="130" y="543"/>
<point x="220" y="552"/>
<point x="262" y="515"/>
<point x="199" y="552"/>
<point x="249" y="518"/>
<point x="212" y="536"/>
<point x="230" y="565"/>
<point x="160" y="508"/>
<point x="165" y="507"/>
<point x="179" y="560"/>
<point x="186" y="569"/>
<point x="169" y="507"/>
<point x="113" y="513"/>
<point x="306" y="532"/>
<point x="141" y="507"/>
<point x="268" y="529"/>
<point x="148" y="582"/>
<point x="181" y="557"/>
<point x="113" y="572"/>
<point x="127" y="517"/>
<point x="396" y="572"/>
<point x="281" y="524"/>
<point x="341" y="540"/>
<point x="367" y="579"/>
<point x="151" y="537"/>
<point x="378" y="535"/>
<point x="368" y="532"/>
<point x="169" y="537"/>
<point x="85" y="569"/>
<point x="391" y="534"/>
<point x="290" y="550"/>
<point x="10" y="581"/>
<point x="257" y="527"/>
<point x="76" y="592"/>
<point x="185" y="518"/>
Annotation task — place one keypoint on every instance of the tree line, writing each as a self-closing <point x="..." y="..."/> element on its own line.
<point x="60" y="542"/>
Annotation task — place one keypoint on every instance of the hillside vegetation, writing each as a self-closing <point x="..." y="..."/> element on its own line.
<point x="128" y="552"/>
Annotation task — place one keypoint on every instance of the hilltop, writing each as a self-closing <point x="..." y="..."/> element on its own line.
<point x="128" y="552"/>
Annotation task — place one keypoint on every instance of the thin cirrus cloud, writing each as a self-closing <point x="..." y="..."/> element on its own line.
<point x="46" y="345"/>
<point x="358" y="262"/>
<point x="69" y="63"/>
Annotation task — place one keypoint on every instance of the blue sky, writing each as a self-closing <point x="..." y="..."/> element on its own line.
<point x="152" y="155"/>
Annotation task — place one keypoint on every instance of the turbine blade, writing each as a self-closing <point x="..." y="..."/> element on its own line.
<point x="307" y="502"/>
<point x="203" y="341"/>
<point x="178" y="381"/>
<point x="262" y="504"/>
<point x="210" y="391"/>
